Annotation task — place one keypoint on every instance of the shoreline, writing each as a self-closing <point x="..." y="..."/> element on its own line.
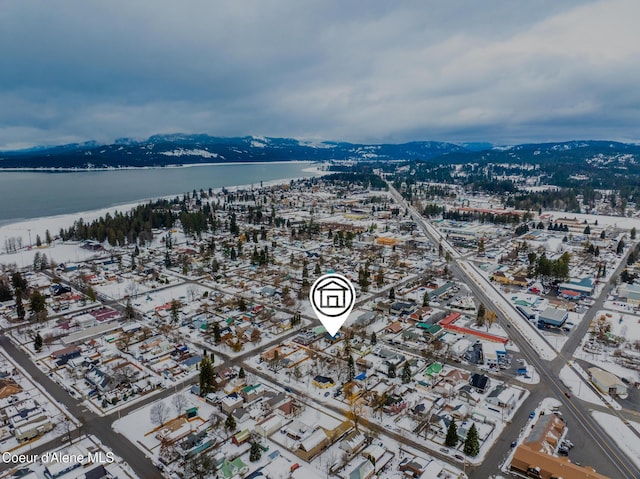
<point x="54" y="169"/>
<point x="38" y="226"/>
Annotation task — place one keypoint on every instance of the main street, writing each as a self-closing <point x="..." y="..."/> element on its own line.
<point x="599" y="450"/>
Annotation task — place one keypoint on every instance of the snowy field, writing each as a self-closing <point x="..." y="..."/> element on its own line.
<point x="578" y="388"/>
<point x="621" y="434"/>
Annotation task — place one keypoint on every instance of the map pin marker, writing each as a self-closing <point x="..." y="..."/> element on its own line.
<point x="332" y="298"/>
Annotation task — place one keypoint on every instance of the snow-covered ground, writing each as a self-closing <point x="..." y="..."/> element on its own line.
<point x="578" y="388"/>
<point x="621" y="434"/>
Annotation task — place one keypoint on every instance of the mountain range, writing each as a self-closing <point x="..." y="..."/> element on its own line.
<point x="179" y="149"/>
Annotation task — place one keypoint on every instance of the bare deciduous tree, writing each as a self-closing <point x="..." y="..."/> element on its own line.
<point x="159" y="413"/>
<point x="179" y="402"/>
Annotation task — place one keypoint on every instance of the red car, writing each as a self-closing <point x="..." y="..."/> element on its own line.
<point x="568" y="395"/>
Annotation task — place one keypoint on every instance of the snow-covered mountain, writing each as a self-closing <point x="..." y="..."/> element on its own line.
<point x="163" y="150"/>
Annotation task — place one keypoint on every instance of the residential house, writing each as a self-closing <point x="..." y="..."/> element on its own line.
<point x="312" y="444"/>
<point x="403" y="308"/>
<point x="430" y="332"/>
<point x="241" y="415"/>
<point x="394" y="404"/>
<point x="503" y="397"/>
<point x="393" y="328"/>
<point x="268" y="426"/>
<point x="480" y="382"/>
<point x="413" y="467"/>
<point x="229" y="403"/>
<point x="241" y="437"/>
<point x="61" y="356"/>
<point x="251" y="393"/>
<point x="456" y="377"/>
<point x="233" y="469"/>
<point x="433" y="370"/>
<point x="289" y="409"/>
<point x="323" y="382"/>
<point x="353" y="442"/>
<point x="101" y="379"/>
<point x="374" y="453"/>
<point x="362" y="470"/>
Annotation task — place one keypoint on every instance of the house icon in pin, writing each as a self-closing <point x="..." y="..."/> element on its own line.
<point x="333" y="295"/>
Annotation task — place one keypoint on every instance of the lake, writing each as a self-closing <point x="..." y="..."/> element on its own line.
<point x="28" y="194"/>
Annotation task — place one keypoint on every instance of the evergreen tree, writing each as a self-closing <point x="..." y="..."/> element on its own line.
<point x="37" y="342"/>
<point x="207" y="376"/>
<point x="216" y="332"/>
<point x="256" y="452"/>
<point x="425" y="299"/>
<point x="471" y="443"/>
<point x="587" y="230"/>
<point x="5" y="291"/>
<point x="18" y="281"/>
<point x="406" y="373"/>
<point x="633" y="233"/>
<point x="241" y="373"/>
<point x="481" y="314"/>
<point x="230" y="423"/>
<point x="351" y="369"/>
<point x="129" y="312"/>
<point x="242" y="305"/>
<point x="374" y="338"/>
<point x="233" y="225"/>
<point x="392" y="294"/>
<point x="91" y="294"/>
<point x="175" y="311"/>
<point x="38" y="305"/>
<point x="452" y="435"/>
<point x="620" y="247"/>
<point x="19" y="306"/>
<point x="317" y="271"/>
<point x="391" y="372"/>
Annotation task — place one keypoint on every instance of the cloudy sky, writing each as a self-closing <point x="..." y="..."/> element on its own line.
<point x="503" y="71"/>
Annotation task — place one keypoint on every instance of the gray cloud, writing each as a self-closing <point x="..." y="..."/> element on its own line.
<point x="500" y="71"/>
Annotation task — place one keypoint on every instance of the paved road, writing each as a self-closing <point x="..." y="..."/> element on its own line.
<point x="599" y="449"/>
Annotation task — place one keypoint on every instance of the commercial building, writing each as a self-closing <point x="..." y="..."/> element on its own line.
<point x="552" y="317"/>
<point x="608" y="383"/>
